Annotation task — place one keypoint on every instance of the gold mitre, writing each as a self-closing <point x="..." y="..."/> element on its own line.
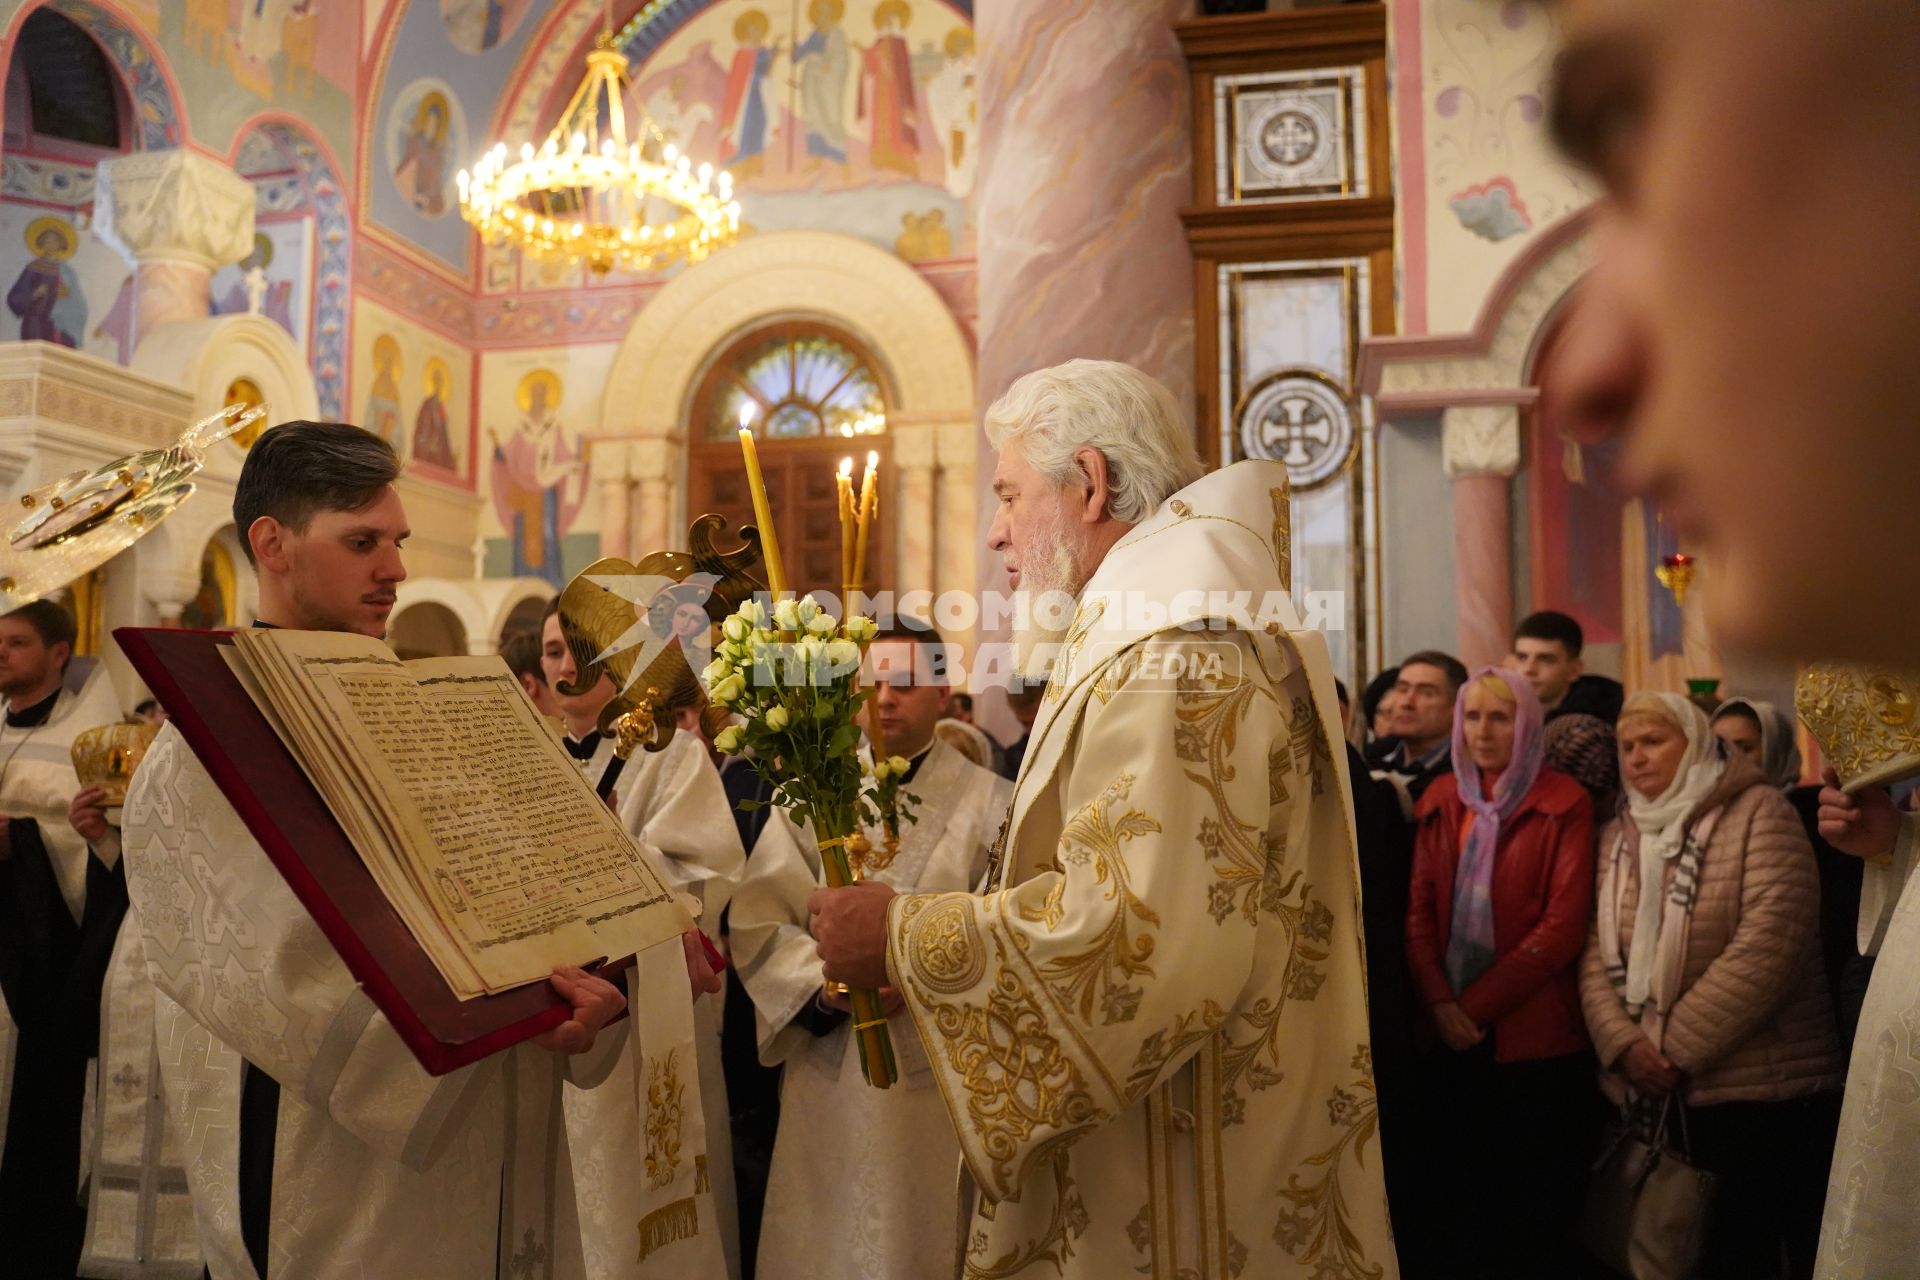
<point x="1865" y="718"/>
<point x="649" y="627"/>
<point x="106" y="755"/>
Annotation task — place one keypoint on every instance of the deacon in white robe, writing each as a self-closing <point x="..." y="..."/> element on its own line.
<point x="59" y="910"/>
<point x="862" y="1184"/>
<point x="315" y="1144"/>
<point x="1150" y="1032"/>
<point x="672" y="801"/>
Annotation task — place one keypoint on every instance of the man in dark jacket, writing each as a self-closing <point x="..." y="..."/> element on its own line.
<point x="1546" y="650"/>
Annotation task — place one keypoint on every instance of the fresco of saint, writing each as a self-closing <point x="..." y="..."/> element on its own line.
<point x="383" y="399"/>
<point x="432" y="443"/>
<point x="46" y="294"/>
<point x="745" y="110"/>
<point x="539" y="483"/>
<point x="421" y="174"/>
<point x="886" y="91"/>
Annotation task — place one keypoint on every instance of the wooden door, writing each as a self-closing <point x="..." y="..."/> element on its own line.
<point x="800" y="488"/>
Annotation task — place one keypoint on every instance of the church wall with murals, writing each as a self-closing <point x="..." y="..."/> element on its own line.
<point x="351" y="121"/>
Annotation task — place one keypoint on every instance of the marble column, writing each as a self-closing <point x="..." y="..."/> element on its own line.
<point x="655" y="464"/>
<point x="177" y="216"/>
<point x="916" y="519"/>
<point x="611" y="474"/>
<point x="956" y="549"/>
<point x="1480" y="449"/>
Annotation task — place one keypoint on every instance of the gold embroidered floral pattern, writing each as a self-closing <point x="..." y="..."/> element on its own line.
<point x="943" y="942"/>
<point x="1064" y="671"/>
<point x="1207" y="722"/>
<point x="1067" y="1223"/>
<point x="1282" y="533"/>
<point x="1318" y="1229"/>
<point x="664" y="1109"/>
<point x="1094" y="836"/>
<point x="1863" y="717"/>
<point x="1160" y="1048"/>
<point x="1017" y="1078"/>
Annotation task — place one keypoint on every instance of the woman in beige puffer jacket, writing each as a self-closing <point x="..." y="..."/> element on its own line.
<point x="1749" y="1042"/>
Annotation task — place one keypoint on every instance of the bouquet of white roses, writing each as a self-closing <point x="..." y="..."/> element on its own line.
<point x="792" y="675"/>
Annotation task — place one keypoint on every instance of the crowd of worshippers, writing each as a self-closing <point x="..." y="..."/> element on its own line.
<point x="1510" y="826"/>
<point x="1541" y="850"/>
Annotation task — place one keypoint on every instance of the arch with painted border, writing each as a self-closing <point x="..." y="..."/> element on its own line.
<point x="899" y="319"/>
<point x="151" y="90"/>
<point x="326" y="196"/>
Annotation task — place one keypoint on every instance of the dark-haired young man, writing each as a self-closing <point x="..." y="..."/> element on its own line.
<point x="59" y="911"/>
<point x="1546" y="651"/>
<point x="894" y="1152"/>
<point x="315" y="1144"/>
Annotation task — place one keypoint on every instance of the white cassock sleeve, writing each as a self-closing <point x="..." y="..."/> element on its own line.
<point x="674" y="804"/>
<point x="1881" y="883"/>
<point x="226" y="939"/>
<point x="775" y="955"/>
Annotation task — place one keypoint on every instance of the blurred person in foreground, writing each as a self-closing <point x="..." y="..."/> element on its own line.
<point x="1680" y="339"/>
<point x="1502" y="891"/>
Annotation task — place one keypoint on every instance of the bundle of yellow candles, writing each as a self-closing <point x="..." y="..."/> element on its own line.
<point x="869" y="1019"/>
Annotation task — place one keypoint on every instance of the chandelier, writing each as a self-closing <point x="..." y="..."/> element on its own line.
<point x="589" y="194"/>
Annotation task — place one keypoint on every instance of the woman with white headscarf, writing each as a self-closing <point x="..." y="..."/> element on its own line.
<point x="1703" y="978"/>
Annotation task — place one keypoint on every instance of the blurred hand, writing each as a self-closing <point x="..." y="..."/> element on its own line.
<point x="1649" y="1069"/>
<point x="700" y="973"/>
<point x="1865" y="825"/>
<point x="1456" y="1028"/>
<point x="595" y="1001"/>
<point x="87" y="814"/>
<point x="850" y="926"/>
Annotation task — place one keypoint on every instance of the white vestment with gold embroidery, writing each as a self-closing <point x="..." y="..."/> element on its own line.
<point x="664" y="1100"/>
<point x="862" y="1185"/>
<point x="379" y="1169"/>
<point x="1870" y="1228"/>
<point x="1151" y="1031"/>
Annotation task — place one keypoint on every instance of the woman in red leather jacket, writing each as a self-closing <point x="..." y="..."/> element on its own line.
<point x="1501" y="901"/>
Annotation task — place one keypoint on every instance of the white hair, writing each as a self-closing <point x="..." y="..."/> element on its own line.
<point x="1132" y="419"/>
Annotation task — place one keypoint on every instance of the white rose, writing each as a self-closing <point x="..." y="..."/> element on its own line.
<point x="879" y="770"/>
<point x="842" y="656"/>
<point x="755" y="613"/>
<point x="861" y="629"/>
<point x="776" y="718"/>
<point x="717" y="670"/>
<point x="820" y="624"/>
<point x="787" y="615"/>
<point x="727" y="741"/>
<point x="730" y="689"/>
<point x="897" y="766"/>
<point x="735" y="628"/>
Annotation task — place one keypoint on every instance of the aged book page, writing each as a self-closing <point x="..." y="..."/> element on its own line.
<point x="482" y="831"/>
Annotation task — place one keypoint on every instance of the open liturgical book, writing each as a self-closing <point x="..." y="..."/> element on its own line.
<point x="465" y="808"/>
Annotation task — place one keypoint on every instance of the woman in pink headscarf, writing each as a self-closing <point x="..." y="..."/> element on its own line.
<point x="1501" y="896"/>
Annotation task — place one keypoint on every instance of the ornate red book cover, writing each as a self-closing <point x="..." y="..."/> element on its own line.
<point x="273" y="796"/>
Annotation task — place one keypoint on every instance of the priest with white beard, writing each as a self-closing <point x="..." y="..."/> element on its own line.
<point x="671" y="800"/>
<point x="862" y="1185"/>
<point x="315" y="1145"/>
<point x="1150" y="1031"/>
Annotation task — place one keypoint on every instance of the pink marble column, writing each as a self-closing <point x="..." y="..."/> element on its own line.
<point x="1085" y="155"/>
<point x="1483" y="567"/>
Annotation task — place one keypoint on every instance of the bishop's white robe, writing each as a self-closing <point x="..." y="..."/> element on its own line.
<point x="1151" y="1031"/>
<point x="380" y="1171"/>
<point x="672" y="801"/>
<point x="1871" y="1228"/>
<point x="862" y="1185"/>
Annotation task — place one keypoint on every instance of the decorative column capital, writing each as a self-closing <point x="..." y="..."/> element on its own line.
<point x="1480" y="440"/>
<point x="174" y="206"/>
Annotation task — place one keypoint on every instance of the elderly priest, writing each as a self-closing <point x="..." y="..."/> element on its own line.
<point x="1150" y="1032"/>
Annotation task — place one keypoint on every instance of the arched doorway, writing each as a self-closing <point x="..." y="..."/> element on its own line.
<point x="813" y="397"/>
<point x="427" y="629"/>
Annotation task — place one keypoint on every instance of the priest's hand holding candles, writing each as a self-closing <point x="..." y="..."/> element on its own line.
<point x="792" y="675"/>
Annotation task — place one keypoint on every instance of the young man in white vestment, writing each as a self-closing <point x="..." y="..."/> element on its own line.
<point x="1150" y="1031"/>
<point x="315" y="1144"/>
<point x="1777" y="436"/>
<point x="671" y="800"/>
<point x="862" y="1185"/>
<point x="59" y="911"/>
